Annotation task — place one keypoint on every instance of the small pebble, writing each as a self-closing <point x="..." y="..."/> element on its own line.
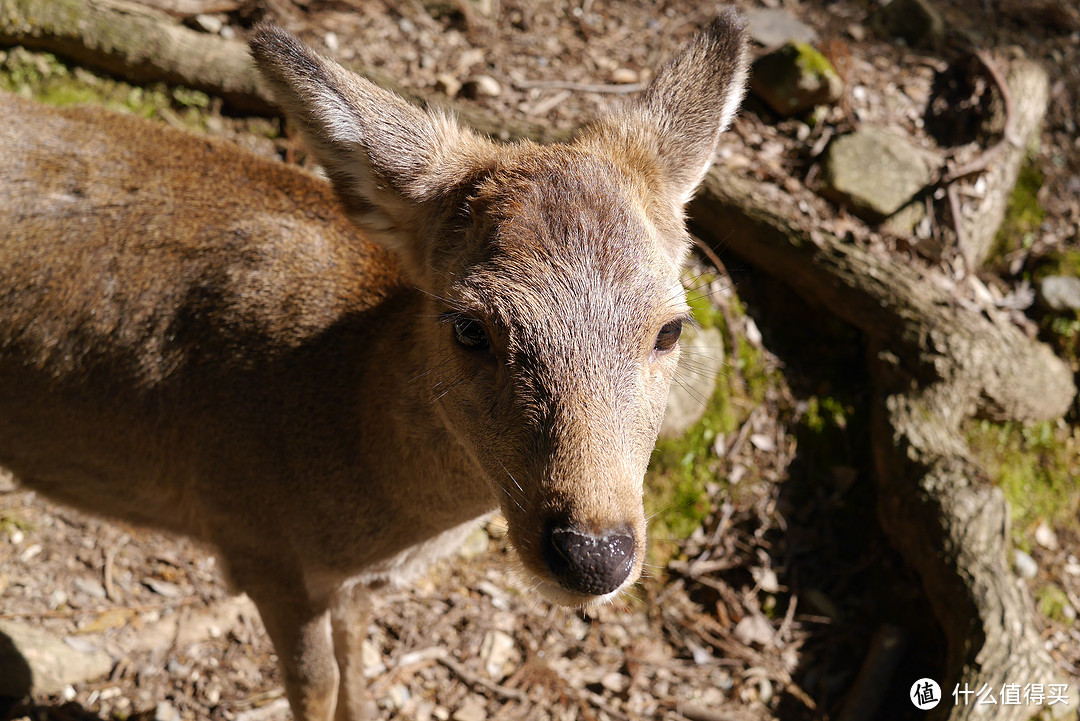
<point x="331" y="41"/>
<point x="470" y="711"/>
<point x="481" y="86"/>
<point x="1025" y="565"/>
<point x="208" y="24"/>
<point x="448" y="84"/>
<point x="624" y="76"/>
<point x="1045" y="536"/>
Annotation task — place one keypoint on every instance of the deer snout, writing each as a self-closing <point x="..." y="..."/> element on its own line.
<point x="591" y="564"/>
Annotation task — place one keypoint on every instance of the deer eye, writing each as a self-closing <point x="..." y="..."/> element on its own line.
<point x="470" y="334"/>
<point x="668" y="335"/>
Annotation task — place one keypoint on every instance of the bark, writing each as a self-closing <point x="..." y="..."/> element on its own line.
<point x="1028" y="88"/>
<point x="908" y="308"/>
<point x="137" y="43"/>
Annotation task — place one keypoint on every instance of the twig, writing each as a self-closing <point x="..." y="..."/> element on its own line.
<point x="477" y="682"/>
<point x="693" y="712"/>
<point x="72" y="612"/>
<point x="958" y="226"/>
<point x="107" y="576"/>
<point x="620" y="89"/>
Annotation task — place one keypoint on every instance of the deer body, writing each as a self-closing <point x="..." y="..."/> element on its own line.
<point x="196" y="339"/>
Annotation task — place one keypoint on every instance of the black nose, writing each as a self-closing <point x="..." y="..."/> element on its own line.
<point x="587" y="563"/>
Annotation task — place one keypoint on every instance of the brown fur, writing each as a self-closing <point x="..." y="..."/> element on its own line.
<point x="196" y="339"/>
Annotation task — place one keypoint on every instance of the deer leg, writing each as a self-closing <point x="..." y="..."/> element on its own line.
<point x="350" y="614"/>
<point x="300" y="630"/>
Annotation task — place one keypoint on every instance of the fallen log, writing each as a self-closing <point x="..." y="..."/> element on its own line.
<point x="135" y="42"/>
<point x="144" y="45"/>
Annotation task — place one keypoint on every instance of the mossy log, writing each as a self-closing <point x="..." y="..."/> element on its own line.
<point x="137" y="43"/>
<point x="144" y="45"/>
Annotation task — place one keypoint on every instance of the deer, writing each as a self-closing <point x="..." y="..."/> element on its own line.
<point x="328" y="383"/>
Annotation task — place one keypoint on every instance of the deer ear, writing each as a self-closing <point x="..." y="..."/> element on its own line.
<point x="675" y="123"/>
<point x="394" y="165"/>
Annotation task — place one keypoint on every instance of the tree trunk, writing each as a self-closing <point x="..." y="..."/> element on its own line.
<point x="935" y="363"/>
<point x="1029" y="92"/>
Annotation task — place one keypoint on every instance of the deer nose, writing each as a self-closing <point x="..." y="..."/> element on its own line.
<point x="588" y="563"/>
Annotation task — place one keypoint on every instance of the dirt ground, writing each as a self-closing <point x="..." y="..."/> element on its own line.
<point x="768" y="610"/>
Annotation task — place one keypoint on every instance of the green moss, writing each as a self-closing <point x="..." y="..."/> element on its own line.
<point x="1062" y="262"/>
<point x="1051" y="602"/>
<point x="810" y="60"/>
<point x="45" y="78"/>
<point x="705" y="313"/>
<point x="10" y="523"/>
<point x="1023" y="215"/>
<point x="682" y="469"/>
<point x="1037" y="466"/>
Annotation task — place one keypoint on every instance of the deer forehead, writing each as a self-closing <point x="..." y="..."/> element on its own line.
<point x="560" y="226"/>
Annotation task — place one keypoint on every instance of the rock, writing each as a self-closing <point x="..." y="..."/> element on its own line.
<point x="32" y="661"/>
<point x="624" y="76"/>
<point x="906" y="222"/>
<point x="395" y="698"/>
<point x="754" y="629"/>
<point x="915" y="21"/>
<point x="371" y="658"/>
<point x="1045" y="536"/>
<point x="497" y="650"/>
<point x="1060" y="293"/>
<point x="331" y="41"/>
<point x="448" y="84"/>
<point x="470" y="711"/>
<point x="1025" y="565"/>
<point x="795" y="78"/>
<point x="481" y="86"/>
<point x="702" y="361"/>
<point x="474" y="544"/>
<point x="208" y="23"/>
<point x="875" y="172"/>
<point x="165" y="711"/>
<point x="775" y="26"/>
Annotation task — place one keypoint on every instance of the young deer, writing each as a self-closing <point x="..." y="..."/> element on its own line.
<point x="196" y="339"/>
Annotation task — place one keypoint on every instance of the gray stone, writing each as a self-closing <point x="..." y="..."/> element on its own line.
<point x="32" y="661"/>
<point x="1060" y="293"/>
<point x="776" y="26"/>
<point x="470" y="711"/>
<point x="875" y="172"/>
<point x="916" y="21"/>
<point x="474" y="544"/>
<point x="702" y="362"/>
<point x="795" y="78"/>
<point x="1025" y="565"/>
